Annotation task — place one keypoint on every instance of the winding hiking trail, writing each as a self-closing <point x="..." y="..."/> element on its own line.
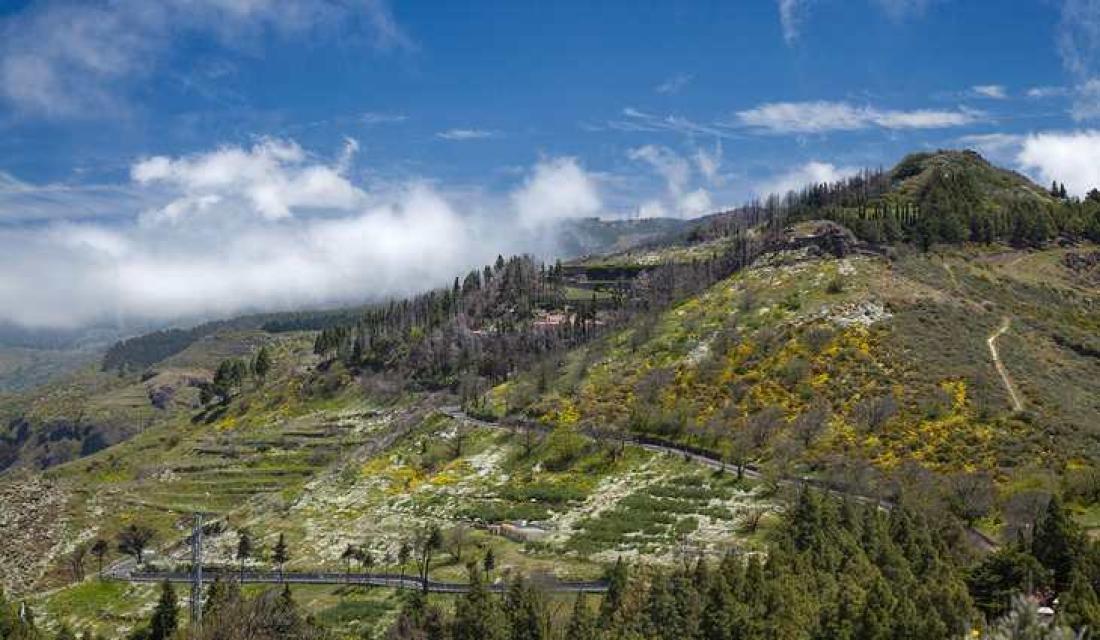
<point x="1017" y="405"/>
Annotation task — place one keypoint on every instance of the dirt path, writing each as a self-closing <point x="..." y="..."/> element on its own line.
<point x="1017" y="405"/>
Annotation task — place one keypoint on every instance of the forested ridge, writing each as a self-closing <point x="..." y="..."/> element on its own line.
<point x="948" y="197"/>
<point x="503" y="318"/>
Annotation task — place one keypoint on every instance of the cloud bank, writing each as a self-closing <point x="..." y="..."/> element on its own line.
<point x="270" y="227"/>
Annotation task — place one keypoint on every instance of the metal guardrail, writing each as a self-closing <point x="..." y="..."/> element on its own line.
<point x="391" y="580"/>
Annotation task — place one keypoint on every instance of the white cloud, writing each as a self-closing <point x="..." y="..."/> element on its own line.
<point x="991" y="91"/>
<point x="465" y="134"/>
<point x="709" y="162"/>
<point x="1079" y="46"/>
<point x="64" y="58"/>
<point x="1047" y="92"/>
<point x="636" y="120"/>
<point x="652" y="209"/>
<point x="899" y="9"/>
<point x="1086" y="105"/>
<point x="270" y="226"/>
<point x="813" y="172"/>
<point x="792" y="13"/>
<point x="672" y="167"/>
<point x="674" y="84"/>
<point x="272" y="179"/>
<point x="1072" y="158"/>
<point x="376" y="117"/>
<point x="557" y="189"/>
<point x="822" y="116"/>
<point x="22" y="202"/>
<point x="683" y="197"/>
<point x="992" y="143"/>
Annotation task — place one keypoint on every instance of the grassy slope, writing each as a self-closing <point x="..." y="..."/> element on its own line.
<point x="280" y="460"/>
<point x="775" y="336"/>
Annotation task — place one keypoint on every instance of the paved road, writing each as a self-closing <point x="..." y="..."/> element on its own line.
<point x="392" y="580"/>
<point x="711" y="461"/>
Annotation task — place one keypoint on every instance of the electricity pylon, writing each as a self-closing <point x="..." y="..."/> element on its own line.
<point x="196" y="574"/>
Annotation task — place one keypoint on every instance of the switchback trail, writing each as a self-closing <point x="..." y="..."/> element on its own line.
<point x="1001" y="369"/>
<point x="711" y="461"/>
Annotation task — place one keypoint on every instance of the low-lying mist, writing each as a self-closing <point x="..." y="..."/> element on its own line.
<point x="271" y="227"/>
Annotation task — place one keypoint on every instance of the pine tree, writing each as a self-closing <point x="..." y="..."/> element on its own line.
<point x="403" y="554"/>
<point x="617" y="585"/>
<point x="166" y="615"/>
<point x="877" y="620"/>
<point x="661" y="606"/>
<point x="1079" y="607"/>
<point x="525" y="610"/>
<point x="431" y="541"/>
<point x="221" y="596"/>
<point x="244" y="549"/>
<point x="350" y="553"/>
<point x="582" y="625"/>
<point x="488" y="563"/>
<point x="99" y="550"/>
<point x="281" y="554"/>
<point x="1056" y="543"/>
<point x="477" y="617"/>
<point x="262" y="364"/>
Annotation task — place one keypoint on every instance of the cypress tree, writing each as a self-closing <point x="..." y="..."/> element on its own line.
<point x="1079" y="606"/>
<point x="582" y="625"/>
<point x="477" y="617"/>
<point x="526" y="613"/>
<point x="165" y="618"/>
<point x="617" y="580"/>
<point x="1056" y="543"/>
<point x="281" y="554"/>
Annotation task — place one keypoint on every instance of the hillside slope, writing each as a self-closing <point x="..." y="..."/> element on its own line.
<point x="854" y="368"/>
<point x="788" y="345"/>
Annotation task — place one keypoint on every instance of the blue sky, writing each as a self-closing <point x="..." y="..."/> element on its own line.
<point x="132" y="131"/>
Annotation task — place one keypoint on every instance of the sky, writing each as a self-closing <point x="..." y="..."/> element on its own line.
<point x="199" y="158"/>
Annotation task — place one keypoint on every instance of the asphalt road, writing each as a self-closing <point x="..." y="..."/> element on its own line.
<point x="391" y="580"/>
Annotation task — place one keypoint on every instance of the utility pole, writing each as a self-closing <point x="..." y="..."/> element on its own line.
<point x="196" y="574"/>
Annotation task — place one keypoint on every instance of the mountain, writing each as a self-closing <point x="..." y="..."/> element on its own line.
<point x="895" y="338"/>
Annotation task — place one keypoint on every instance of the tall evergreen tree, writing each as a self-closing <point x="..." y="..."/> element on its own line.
<point x="261" y="366"/>
<point x="281" y="554"/>
<point x="1079" y="607"/>
<point x="166" y="614"/>
<point x="1057" y="543"/>
<point x="582" y="623"/>
<point x="244" y="550"/>
<point x="477" y="616"/>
